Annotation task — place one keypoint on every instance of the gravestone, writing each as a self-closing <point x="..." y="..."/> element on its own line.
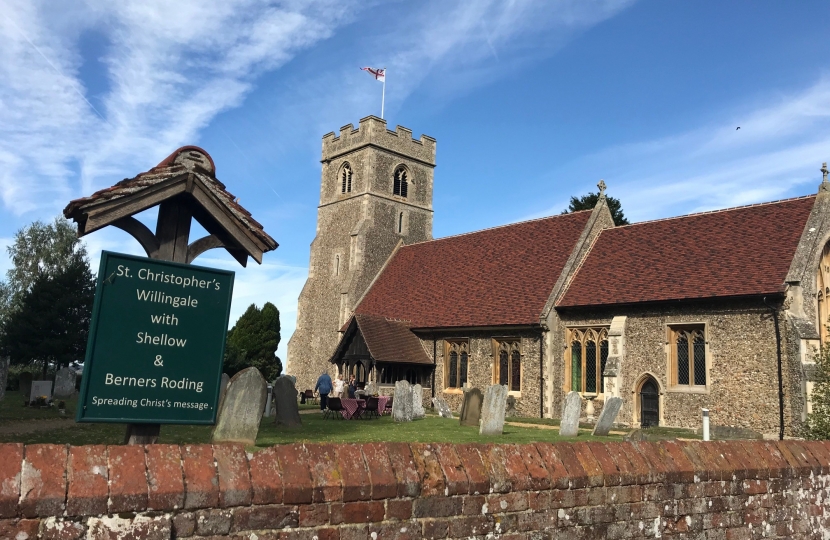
<point x="511" y="411"/>
<point x="492" y="413"/>
<point x="4" y="376"/>
<point x="285" y="403"/>
<point x="444" y="410"/>
<point x="241" y="410"/>
<point x="64" y="382"/>
<point x="41" y="388"/>
<point x="471" y="407"/>
<point x="569" y="424"/>
<point x="609" y="413"/>
<point x="371" y="388"/>
<point x="292" y="377"/>
<point x="26" y="385"/>
<point x="402" y="404"/>
<point x="223" y="386"/>
<point x="418" y="411"/>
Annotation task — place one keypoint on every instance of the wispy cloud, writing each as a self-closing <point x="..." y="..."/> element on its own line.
<point x="776" y="153"/>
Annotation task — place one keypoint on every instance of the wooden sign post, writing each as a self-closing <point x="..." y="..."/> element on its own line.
<point x="184" y="187"/>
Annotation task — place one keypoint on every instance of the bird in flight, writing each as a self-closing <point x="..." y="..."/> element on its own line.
<point x="737" y="128"/>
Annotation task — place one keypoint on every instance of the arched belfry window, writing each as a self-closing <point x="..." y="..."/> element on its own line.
<point x="346" y="178"/>
<point x="822" y="294"/>
<point x="401" y="182"/>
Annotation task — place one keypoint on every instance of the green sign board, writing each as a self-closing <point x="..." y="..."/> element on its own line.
<point x="156" y="342"/>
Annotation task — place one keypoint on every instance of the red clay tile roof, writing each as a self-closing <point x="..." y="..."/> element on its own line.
<point x="391" y="341"/>
<point x="735" y="252"/>
<point x="494" y="277"/>
<point x="185" y="159"/>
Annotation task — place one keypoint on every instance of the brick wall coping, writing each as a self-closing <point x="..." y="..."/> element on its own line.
<point x="42" y="480"/>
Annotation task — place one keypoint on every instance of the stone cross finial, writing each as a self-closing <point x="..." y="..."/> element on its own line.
<point x="824" y="172"/>
<point x="601" y="185"/>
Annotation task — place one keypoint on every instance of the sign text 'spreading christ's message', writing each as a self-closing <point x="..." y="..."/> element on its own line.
<point x="156" y="343"/>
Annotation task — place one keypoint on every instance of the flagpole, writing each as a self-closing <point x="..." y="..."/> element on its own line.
<point x="383" y="94"/>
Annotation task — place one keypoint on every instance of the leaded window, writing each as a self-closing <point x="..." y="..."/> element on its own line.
<point x="455" y="367"/>
<point x="688" y="355"/>
<point x="509" y="365"/>
<point x="587" y="355"/>
<point x="401" y="182"/>
<point x="346" y="178"/>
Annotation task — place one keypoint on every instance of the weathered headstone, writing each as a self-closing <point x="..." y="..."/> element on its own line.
<point x="41" y="389"/>
<point x="223" y="386"/>
<point x="292" y="377"/>
<point x="64" y="382"/>
<point x="26" y="385"/>
<point x="241" y="410"/>
<point x="492" y="413"/>
<point x="418" y="411"/>
<point x="4" y="376"/>
<point x="609" y="413"/>
<point x="371" y="388"/>
<point x="569" y="424"/>
<point x="444" y="410"/>
<point x="511" y="411"/>
<point x="285" y="403"/>
<point x="471" y="407"/>
<point x="402" y="404"/>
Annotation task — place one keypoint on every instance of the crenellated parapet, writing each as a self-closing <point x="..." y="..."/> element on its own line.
<point x="372" y="132"/>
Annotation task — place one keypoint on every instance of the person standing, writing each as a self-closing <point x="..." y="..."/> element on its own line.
<point x="324" y="388"/>
<point x="338" y="386"/>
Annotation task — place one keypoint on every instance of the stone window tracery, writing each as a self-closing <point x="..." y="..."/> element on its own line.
<point x="586" y="357"/>
<point x="401" y="182"/>
<point x="457" y="360"/>
<point x="688" y="355"/>
<point x="346" y="178"/>
<point x="508" y="365"/>
<point x="822" y="293"/>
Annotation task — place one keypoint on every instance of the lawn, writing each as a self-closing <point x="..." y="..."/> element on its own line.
<point x="15" y="418"/>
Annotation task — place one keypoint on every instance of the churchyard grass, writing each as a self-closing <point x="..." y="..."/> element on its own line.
<point x="64" y="430"/>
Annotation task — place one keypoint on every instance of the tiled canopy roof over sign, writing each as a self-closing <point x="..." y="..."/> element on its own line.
<point x="495" y="277"/>
<point x="189" y="171"/>
<point x="387" y="340"/>
<point x="727" y="253"/>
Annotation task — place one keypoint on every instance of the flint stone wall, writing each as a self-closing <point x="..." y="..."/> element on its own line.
<point x="743" y="377"/>
<point x="398" y="490"/>
<point x="481" y="366"/>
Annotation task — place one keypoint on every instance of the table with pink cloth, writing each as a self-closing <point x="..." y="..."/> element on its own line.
<point x="382" y="401"/>
<point x="352" y="407"/>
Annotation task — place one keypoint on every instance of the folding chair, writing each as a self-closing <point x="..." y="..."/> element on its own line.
<point x="335" y="407"/>
<point x="372" y="407"/>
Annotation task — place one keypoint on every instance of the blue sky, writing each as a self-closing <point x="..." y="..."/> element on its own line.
<point x="530" y="101"/>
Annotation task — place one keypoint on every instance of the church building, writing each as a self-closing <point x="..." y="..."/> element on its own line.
<point x="721" y="310"/>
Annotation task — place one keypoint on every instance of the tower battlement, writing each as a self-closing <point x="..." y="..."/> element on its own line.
<point x="372" y="131"/>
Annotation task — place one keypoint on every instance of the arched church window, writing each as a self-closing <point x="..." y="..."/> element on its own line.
<point x="346" y="178"/>
<point x="509" y="365"/>
<point x="588" y="355"/>
<point x="688" y="355"/>
<point x="822" y="292"/>
<point x="400" y="222"/>
<point x="455" y="368"/>
<point x="401" y="185"/>
<point x="337" y="265"/>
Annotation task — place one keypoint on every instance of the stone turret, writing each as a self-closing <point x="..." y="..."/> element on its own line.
<point x="376" y="192"/>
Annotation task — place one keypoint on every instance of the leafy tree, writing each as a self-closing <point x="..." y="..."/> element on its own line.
<point x="817" y="425"/>
<point x="39" y="249"/>
<point x="253" y="341"/>
<point x="589" y="201"/>
<point x="51" y="324"/>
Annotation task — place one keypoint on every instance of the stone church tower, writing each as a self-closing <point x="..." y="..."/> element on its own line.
<point x="376" y="193"/>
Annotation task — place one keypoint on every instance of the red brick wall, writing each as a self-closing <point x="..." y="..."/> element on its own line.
<point x="722" y="490"/>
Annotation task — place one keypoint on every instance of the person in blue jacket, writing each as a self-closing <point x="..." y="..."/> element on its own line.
<point x="324" y="387"/>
